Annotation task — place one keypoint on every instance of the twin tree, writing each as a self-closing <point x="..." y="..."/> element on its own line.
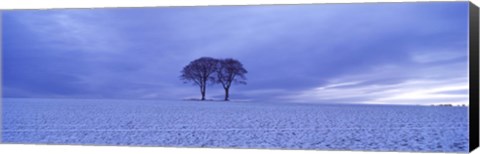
<point x="210" y="70"/>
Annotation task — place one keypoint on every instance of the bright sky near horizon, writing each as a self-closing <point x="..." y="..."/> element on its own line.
<point x="380" y="53"/>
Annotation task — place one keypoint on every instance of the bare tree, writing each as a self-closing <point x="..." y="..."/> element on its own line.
<point x="200" y="72"/>
<point x="230" y="71"/>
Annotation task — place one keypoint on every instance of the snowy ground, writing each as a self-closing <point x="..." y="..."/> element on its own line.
<point x="234" y="124"/>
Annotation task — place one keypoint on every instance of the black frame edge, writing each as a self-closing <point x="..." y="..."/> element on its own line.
<point x="473" y="76"/>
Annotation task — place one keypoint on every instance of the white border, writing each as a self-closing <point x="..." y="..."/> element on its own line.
<point x="78" y="149"/>
<point x="60" y="149"/>
<point x="46" y="4"/>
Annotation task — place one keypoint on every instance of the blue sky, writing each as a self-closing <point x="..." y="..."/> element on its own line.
<point x="378" y="53"/>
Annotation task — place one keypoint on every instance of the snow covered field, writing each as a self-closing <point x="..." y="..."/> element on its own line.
<point x="235" y="124"/>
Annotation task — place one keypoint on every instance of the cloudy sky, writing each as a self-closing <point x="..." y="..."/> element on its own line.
<point x="379" y="53"/>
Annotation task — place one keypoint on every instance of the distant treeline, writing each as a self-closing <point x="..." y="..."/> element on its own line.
<point x="450" y="105"/>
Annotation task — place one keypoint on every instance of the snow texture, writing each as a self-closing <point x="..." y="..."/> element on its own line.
<point x="235" y="125"/>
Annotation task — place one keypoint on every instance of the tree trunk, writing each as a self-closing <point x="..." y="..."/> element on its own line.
<point x="226" y="94"/>
<point x="202" y="90"/>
